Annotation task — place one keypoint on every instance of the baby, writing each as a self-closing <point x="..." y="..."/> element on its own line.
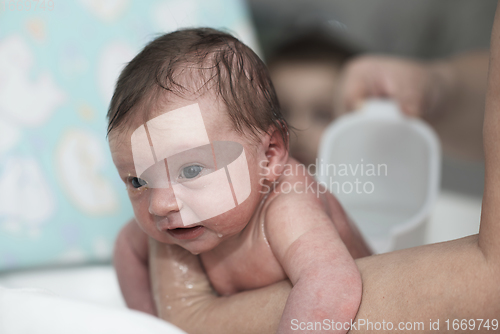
<point x="196" y="134"/>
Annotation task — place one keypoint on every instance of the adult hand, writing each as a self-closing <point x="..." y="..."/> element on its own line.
<point x="449" y="93"/>
<point x="419" y="87"/>
<point x="184" y="297"/>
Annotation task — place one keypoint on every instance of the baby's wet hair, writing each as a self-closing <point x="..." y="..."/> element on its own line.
<point x="194" y="61"/>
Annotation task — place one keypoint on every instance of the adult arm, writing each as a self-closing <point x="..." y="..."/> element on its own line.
<point x="451" y="280"/>
<point x="185" y="298"/>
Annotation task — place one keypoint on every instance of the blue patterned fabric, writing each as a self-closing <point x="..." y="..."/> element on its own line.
<point x="61" y="200"/>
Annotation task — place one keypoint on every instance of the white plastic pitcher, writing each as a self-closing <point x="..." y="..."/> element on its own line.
<point x="384" y="167"/>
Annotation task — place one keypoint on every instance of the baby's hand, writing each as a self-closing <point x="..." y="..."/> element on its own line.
<point x="419" y="87"/>
<point x="131" y="265"/>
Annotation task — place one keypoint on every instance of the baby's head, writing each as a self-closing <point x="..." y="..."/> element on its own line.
<point x="193" y="125"/>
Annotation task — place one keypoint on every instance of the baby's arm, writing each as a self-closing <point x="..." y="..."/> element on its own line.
<point x="131" y="265"/>
<point x="326" y="281"/>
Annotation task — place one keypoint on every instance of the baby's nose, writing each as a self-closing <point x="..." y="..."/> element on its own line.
<point x="162" y="201"/>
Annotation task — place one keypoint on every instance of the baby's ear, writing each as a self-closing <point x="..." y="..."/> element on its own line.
<point x="276" y="151"/>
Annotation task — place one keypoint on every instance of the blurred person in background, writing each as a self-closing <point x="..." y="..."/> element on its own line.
<point x="319" y="77"/>
<point x="306" y="70"/>
<point x="431" y="57"/>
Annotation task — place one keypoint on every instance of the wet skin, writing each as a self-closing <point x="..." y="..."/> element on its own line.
<point x="274" y="234"/>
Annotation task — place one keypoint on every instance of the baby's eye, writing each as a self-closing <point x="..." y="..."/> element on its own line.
<point x="191" y="172"/>
<point x="137" y="182"/>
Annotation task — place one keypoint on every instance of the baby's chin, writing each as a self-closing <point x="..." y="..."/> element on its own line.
<point x="209" y="241"/>
<point x="193" y="248"/>
<point x="197" y="249"/>
<point x="201" y="244"/>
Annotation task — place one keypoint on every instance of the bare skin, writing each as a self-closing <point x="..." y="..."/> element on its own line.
<point x="452" y="280"/>
<point x="276" y="233"/>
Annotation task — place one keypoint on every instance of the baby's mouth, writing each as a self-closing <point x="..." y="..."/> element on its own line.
<point x="184" y="233"/>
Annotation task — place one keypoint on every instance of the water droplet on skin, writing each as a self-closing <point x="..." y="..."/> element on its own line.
<point x="169" y="307"/>
<point x="219" y="235"/>
<point x="189" y="286"/>
<point x="183" y="268"/>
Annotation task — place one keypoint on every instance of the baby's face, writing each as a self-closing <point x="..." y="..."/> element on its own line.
<point x="192" y="180"/>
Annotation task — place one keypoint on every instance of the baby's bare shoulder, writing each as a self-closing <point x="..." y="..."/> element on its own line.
<point x="297" y="220"/>
<point x="299" y="200"/>
<point x="297" y="186"/>
<point x="294" y="205"/>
